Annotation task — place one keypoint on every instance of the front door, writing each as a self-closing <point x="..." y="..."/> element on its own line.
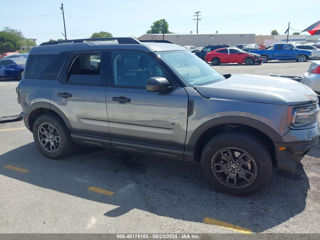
<point x="138" y="118"/>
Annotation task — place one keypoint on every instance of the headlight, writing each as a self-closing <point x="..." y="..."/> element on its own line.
<point x="303" y="116"/>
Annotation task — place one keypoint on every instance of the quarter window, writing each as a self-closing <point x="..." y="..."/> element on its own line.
<point x="85" y="69"/>
<point x="134" y="69"/>
<point x="45" y="67"/>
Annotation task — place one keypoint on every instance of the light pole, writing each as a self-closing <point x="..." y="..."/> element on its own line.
<point x="197" y="19"/>
<point x="64" y="22"/>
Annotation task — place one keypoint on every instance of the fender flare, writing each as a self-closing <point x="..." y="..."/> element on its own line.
<point x="47" y="106"/>
<point x="229" y="120"/>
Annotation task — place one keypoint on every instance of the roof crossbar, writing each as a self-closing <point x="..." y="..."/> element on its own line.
<point x="120" y="40"/>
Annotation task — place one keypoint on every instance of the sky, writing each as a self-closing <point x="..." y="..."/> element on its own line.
<point x="42" y="19"/>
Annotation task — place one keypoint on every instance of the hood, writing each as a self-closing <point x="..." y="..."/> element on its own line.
<point x="262" y="89"/>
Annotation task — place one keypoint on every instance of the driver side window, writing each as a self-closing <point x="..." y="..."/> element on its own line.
<point x="133" y="69"/>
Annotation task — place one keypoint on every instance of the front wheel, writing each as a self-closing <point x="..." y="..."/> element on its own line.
<point x="52" y="136"/>
<point x="236" y="163"/>
<point x="302" y="58"/>
<point x="248" y="61"/>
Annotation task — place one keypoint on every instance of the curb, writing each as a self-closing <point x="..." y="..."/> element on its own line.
<point x="13" y="118"/>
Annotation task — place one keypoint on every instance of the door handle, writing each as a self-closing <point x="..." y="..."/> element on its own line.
<point x="64" y="95"/>
<point x="121" y="99"/>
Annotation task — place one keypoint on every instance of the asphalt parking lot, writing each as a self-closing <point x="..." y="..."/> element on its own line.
<point x="100" y="191"/>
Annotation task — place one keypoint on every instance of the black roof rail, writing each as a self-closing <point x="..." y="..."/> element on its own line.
<point x="120" y="40"/>
<point x="157" y="41"/>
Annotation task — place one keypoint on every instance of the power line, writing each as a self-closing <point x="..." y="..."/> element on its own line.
<point x="33" y="16"/>
<point x="197" y="19"/>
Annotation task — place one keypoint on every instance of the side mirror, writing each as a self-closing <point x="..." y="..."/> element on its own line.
<point x="158" y="84"/>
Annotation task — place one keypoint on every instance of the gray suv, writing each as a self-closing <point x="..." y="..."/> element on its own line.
<point x="160" y="99"/>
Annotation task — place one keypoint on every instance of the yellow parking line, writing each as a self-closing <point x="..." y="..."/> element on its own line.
<point x="11" y="129"/>
<point x="101" y="191"/>
<point x="18" y="169"/>
<point x="227" y="225"/>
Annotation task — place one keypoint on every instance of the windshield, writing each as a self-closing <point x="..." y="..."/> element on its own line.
<point x="191" y="68"/>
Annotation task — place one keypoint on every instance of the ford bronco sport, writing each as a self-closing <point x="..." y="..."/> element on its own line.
<point x="160" y="99"/>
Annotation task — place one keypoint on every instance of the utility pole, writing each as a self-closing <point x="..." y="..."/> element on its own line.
<point x="64" y="22"/>
<point x="197" y="19"/>
<point x="162" y="28"/>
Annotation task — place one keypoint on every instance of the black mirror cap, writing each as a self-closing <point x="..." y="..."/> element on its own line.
<point x="158" y="84"/>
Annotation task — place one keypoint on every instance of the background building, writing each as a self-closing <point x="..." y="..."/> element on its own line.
<point x="200" y="40"/>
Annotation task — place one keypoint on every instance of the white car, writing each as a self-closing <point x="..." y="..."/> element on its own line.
<point x="312" y="77"/>
<point x="190" y="48"/>
<point x="315" y="52"/>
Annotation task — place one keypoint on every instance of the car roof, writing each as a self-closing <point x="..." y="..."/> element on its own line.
<point x="92" y="45"/>
<point x="220" y="49"/>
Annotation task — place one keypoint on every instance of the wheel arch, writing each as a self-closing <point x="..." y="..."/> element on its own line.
<point x="211" y="128"/>
<point x="38" y="109"/>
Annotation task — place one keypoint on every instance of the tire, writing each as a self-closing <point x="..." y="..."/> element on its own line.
<point x="264" y="58"/>
<point x="20" y="76"/>
<point x="248" y="61"/>
<point x="215" y="61"/>
<point x="302" y="58"/>
<point x="255" y="163"/>
<point x="55" y="144"/>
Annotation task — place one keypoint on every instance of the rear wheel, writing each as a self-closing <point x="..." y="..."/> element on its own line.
<point x="264" y="58"/>
<point x="248" y="61"/>
<point x="215" y="61"/>
<point x="302" y="58"/>
<point x="52" y="136"/>
<point x="236" y="163"/>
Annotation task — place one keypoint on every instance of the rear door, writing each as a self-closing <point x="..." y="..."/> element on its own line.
<point x="138" y="118"/>
<point x="80" y="94"/>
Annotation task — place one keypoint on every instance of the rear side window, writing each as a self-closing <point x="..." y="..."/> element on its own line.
<point x="85" y="69"/>
<point x="45" y="67"/>
<point x="223" y="51"/>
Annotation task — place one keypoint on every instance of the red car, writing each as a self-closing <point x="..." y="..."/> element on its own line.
<point x="232" y="55"/>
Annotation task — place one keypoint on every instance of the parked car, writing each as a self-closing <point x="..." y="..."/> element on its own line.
<point x="190" y="48"/>
<point x="8" y="54"/>
<point x="312" y="77"/>
<point x="12" y="67"/>
<point x="203" y="52"/>
<point x="283" y="51"/>
<point x="160" y="99"/>
<point x="23" y="55"/>
<point x="232" y="55"/>
<point x="315" y="52"/>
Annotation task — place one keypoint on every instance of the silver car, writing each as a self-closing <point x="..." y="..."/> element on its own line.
<point x="312" y="76"/>
<point x="315" y="52"/>
<point x="160" y="99"/>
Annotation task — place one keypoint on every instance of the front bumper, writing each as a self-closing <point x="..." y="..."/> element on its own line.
<point x="289" y="154"/>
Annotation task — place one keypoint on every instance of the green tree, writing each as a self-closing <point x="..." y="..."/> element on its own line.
<point x="274" y="32"/>
<point x="159" y="26"/>
<point x="10" y="40"/>
<point x="296" y="33"/>
<point x="101" y="34"/>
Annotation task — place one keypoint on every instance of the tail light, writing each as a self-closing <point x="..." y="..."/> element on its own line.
<point x="315" y="69"/>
